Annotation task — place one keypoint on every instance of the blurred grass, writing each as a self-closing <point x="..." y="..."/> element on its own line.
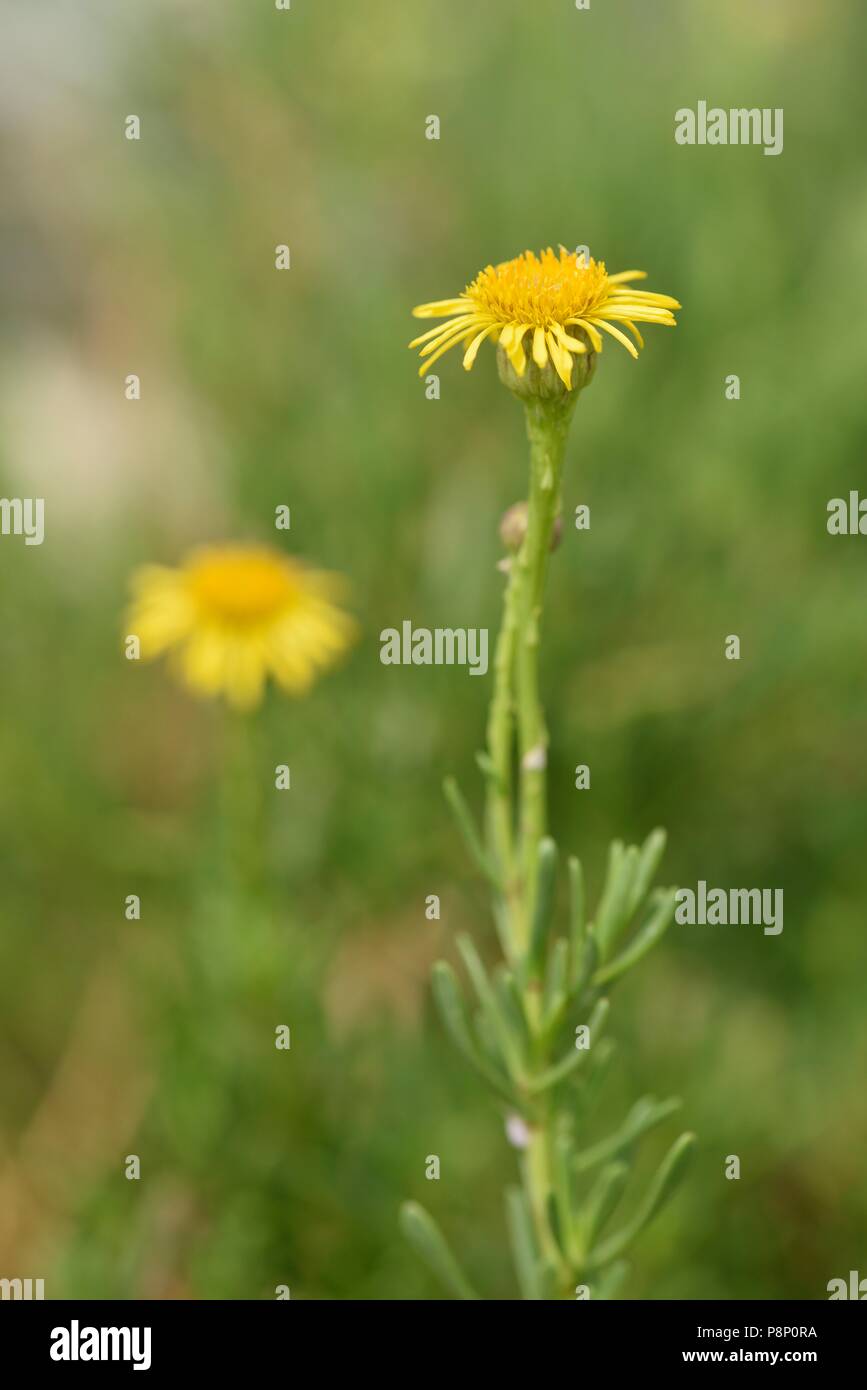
<point x="708" y="517"/>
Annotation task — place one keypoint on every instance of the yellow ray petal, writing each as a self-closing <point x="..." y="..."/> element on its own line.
<point x="590" y="331"/>
<point x="435" y="332"/>
<point x="470" y="354"/>
<point x="203" y="661"/>
<point x="661" y="301"/>
<point x="515" y="348"/>
<point x="444" y="347"/>
<point x="455" y="328"/>
<point x="634" y="331"/>
<point x="439" y="308"/>
<point x="518" y="359"/>
<point x="561" y="359"/>
<point x="245" y="677"/>
<point x="615" y="333"/>
<point x="640" y="312"/>
<point x="540" y="352"/>
<point x="565" y="341"/>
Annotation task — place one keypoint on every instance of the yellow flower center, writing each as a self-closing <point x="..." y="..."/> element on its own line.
<point x="242" y="584"/>
<point x="541" y="290"/>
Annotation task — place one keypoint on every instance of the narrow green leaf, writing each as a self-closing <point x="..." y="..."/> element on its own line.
<point x="553" y="1075"/>
<point x="489" y="1035"/>
<point x="561" y="996"/>
<point x="556" y="979"/>
<point x="577" y="923"/>
<point x="427" y="1239"/>
<point x="596" y="1021"/>
<point x="561" y="1177"/>
<point x="609" y="1283"/>
<point x="649" y="860"/>
<point x="552" y="1214"/>
<point x="546" y="884"/>
<point x="612" y="916"/>
<point x="502" y="922"/>
<point x="644" y="940"/>
<point x="576" y="1058"/>
<point x="549" y="1281"/>
<point x="508" y="1042"/>
<point x="512" y="1007"/>
<point x="662" y="1185"/>
<point x="485" y="762"/>
<point x="602" y="1201"/>
<point x="585" y="966"/>
<point x="467" y="826"/>
<point x="585" y="1099"/>
<point x="447" y="994"/>
<point x="616" y="851"/>
<point x="600" y="1064"/>
<point x="644" y="1116"/>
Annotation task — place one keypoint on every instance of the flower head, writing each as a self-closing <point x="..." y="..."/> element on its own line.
<point x="233" y="615"/>
<point x="559" y="299"/>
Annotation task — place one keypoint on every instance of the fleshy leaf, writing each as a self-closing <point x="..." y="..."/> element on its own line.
<point x="427" y="1239"/>
<point x="546" y="884"/>
<point x="662" y="1185"/>
<point x="645" y="938"/>
<point x="467" y="826"/>
<point x="644" y="1115"/>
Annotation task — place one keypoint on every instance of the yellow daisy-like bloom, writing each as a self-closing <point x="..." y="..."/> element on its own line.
<point x="546" y="296"/>
<point x="233" y="615"/>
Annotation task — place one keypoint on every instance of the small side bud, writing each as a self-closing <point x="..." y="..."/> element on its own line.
<point x="513" y="527"/>
<point x="517" y="1131"/>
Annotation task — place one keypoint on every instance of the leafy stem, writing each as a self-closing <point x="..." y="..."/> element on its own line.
<point x="535" y="1035"/>
<point x="547" y="428"/>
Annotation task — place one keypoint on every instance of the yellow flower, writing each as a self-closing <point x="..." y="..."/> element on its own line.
<point x="546" y="296"/>
<point x="232" y="615"/>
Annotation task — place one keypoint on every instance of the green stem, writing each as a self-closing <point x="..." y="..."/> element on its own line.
<point x="524" y="1009"/>
<point x="501" y="717"/>
<point x="242" y="797"/>
<point x="516" y="710"/>
<point x="538" y="1185"/>
<point x="547" y="428"/>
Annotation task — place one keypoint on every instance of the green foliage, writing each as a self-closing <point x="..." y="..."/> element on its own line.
<point x="511" y="1048"/>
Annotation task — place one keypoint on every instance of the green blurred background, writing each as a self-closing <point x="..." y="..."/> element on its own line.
<point x="260" y="388"/>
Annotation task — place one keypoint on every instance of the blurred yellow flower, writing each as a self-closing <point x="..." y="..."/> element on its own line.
<point x="233" y="615"/>
<point x="546" y="295"/>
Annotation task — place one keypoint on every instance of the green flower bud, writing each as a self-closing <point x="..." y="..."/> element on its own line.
<point x="543" y="383"/>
